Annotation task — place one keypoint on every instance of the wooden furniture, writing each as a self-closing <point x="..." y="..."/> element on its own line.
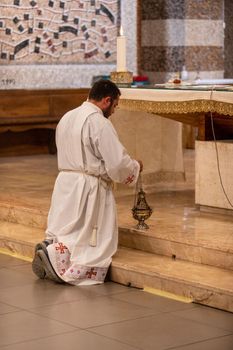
<point x="28" y="118"/>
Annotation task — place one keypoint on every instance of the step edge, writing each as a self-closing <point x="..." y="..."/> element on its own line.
<point x="23" y="208"/>
<point x="147" y="236"/>
<point x="177" y="280"/>
<point x="10" y="223"/>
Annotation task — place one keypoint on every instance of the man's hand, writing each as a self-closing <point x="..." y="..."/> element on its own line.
<point x="141" y="165"/>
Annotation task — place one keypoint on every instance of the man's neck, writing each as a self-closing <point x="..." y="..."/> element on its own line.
<point x="96" y="103"/>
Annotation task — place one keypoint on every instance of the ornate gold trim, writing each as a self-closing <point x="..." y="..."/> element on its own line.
<point x="121" y="77"/>
<point x="171" y="107"/>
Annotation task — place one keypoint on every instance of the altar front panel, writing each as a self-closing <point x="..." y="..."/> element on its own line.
<point x="157" y="142"/>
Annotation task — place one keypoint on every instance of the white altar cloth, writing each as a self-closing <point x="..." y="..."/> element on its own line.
<point x="169" y="95"/>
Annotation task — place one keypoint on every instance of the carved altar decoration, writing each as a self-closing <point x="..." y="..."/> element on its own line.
<point x="171" y="107"/>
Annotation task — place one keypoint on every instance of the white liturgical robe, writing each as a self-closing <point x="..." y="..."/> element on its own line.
<point x="82" y="217"/>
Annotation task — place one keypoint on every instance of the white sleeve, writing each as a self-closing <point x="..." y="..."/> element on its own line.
<point x="119" y="166"/>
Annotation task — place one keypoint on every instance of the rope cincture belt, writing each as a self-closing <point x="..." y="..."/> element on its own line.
<point x="104" y="182"/>
<point x="107" y="185"/>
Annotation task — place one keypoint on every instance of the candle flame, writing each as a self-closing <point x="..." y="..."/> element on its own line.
<point x="121" y="31"/>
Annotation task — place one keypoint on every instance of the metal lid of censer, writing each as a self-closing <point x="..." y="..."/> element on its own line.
<point x="141" y="210"/>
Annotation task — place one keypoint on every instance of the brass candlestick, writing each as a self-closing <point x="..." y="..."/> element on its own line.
<point x="122" y="78"/>
<point x="141" y="210"/>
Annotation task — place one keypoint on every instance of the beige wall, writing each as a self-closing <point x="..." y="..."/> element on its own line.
<point x="208" y="188"/>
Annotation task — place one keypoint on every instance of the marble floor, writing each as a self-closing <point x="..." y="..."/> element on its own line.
<point x="39" y="314"/>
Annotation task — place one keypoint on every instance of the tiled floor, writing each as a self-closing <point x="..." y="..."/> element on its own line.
<point x="40" y="315"/>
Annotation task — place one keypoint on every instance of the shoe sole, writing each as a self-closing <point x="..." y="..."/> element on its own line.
<point x="37" y="267"/>
<point x="50" y="273"/>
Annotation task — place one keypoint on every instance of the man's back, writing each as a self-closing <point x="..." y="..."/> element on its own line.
<point x="77" y="137"/>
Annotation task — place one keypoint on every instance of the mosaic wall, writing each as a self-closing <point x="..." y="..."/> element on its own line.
<point x="77" y="43"/>
<point x="51" y="31"/>
<point x="182" y="32"/>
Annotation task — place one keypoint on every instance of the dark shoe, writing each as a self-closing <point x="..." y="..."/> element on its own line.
<point x="43" y="245"/>
<point x="38" y="267"/>
<point x="49" y="271"/>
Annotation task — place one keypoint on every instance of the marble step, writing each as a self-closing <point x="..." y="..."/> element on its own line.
<point x="180" y="230"/>
<point x="203" y="247"/>
<point x="20" y="240"/>
<point x="209" y="242"/>
<point x="203" y="284"/>
<point x="22" y="214"/>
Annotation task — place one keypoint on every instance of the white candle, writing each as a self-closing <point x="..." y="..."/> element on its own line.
<point x="121" y="52"/>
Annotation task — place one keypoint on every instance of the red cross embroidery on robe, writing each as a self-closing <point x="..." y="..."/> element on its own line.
<point x="61" y="247"/>
<point x="62" y="271"/>
<point x="129" y="180"/>
<point x="91" y="273"/>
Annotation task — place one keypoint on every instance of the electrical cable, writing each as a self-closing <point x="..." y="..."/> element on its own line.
<point x="217" y="153"/>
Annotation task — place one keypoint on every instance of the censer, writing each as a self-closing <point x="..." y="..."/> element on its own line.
<point x="141" y="210"/>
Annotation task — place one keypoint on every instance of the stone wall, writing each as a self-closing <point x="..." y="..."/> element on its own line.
<point x="210" y="190"/>
<point x="228" y="40"/>
<point x="182" y="32"/>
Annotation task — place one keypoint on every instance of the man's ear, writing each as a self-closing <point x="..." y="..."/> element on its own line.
<point x="108" y="100"/>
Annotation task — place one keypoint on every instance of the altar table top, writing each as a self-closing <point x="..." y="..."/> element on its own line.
<point x="186" y="99"/>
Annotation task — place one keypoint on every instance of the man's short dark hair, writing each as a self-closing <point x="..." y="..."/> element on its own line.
<point x="103" y="88"/>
